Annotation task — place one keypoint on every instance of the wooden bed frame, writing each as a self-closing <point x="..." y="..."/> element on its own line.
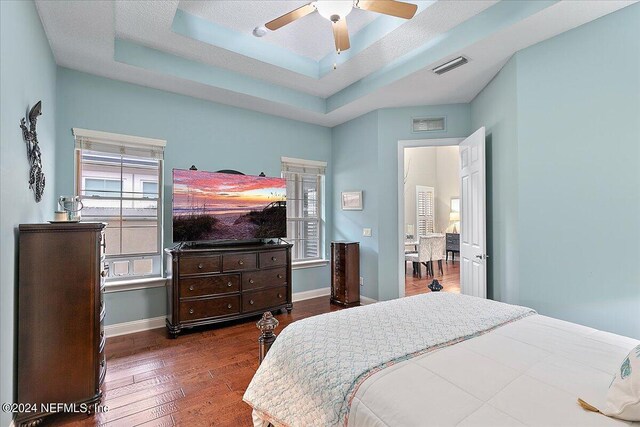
<point x="267" y="324"/>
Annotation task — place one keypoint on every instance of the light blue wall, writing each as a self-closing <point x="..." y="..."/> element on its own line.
<point x="211" y="136"/>
<point x="365" y="157"/>
<point x="27" y="75"/>
<point x="495" y="108"/>
<point x="563" y="133"/>
<point x="355" y="166"/>
<point x="395" y="125"/>
<point x="579" y="174"/>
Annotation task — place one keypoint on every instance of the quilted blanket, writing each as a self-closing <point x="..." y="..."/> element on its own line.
<point x="314" y="368"/>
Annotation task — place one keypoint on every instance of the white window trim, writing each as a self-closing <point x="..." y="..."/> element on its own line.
<point x="135" y="142"/>
<point x="303" y="162"/>
<point x="118" y="138"/>
<point x="322" y="260"/>
<point x="134" y="284"/>
<point x="298" y="265"/>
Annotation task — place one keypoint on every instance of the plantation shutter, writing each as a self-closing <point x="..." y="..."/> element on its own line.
<point x="425" y="209"/>
<point x="304" y="206"/>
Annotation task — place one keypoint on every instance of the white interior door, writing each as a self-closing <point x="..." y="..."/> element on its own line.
<point x="473" y="228"/>
<point x="425" y="210"/>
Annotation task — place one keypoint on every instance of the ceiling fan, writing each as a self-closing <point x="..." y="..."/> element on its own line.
<point x="336" y="11"/>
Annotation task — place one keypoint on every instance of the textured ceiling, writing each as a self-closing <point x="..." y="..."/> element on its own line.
<point x="310" y="36"/>
<point x="392" y="70"/>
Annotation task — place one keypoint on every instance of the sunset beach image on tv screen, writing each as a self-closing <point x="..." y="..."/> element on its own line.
<point x="222" y="206"/>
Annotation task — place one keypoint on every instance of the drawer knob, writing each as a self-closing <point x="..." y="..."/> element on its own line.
<point x="241" y="262"/>
<point x="279" y="295"/>
<point x="191" y="311"/>
<point x="229" y="284"/>
<point x="200" y="266"/>
<point x="274" y="259"/>
<point x="191" y="287"/>
<point x="229" y="306"/>
<point x="103" y="273"/>
<point x="251" y="281"/>
<point x="279" y="276"/>
<point x="251" y="302"/>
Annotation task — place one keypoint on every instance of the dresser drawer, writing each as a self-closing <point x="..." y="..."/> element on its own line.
<point x="259" y="300"/>
<point x="209" y="285"/>
<point x="197" y="265"/>
<point x="210" y="307"/>
<point x="237" y="262"/>
<point x="273" y="258"/>
<point x="264" y="278"/>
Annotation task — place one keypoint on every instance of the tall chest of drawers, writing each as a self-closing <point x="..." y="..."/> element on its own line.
<point x="61" y="313"/>
<point x="214" y="284"/>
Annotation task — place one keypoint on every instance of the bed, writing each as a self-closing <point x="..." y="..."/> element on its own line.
<point x="436" y="359"/>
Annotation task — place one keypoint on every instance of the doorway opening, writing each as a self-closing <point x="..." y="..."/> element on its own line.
<point x="429" y="215"/>
<point x="431" y="218"/>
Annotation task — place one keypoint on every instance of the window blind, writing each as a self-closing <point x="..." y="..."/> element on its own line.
<point x="114" y="143"/>
<point x="304" y="207"/>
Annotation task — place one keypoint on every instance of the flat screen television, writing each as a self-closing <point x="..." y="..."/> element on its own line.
<point x="215" y="206"/>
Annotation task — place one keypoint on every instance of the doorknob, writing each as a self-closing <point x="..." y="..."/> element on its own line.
<point x="482" y="256"/>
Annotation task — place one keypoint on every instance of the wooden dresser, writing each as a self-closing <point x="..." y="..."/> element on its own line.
<point x="210" y="284"/>
<point x="60" y="318"/>
<point x="345" y="273"/>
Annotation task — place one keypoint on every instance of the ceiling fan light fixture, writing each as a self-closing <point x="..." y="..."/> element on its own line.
<point x="330" y="8"/>
<point x="260" y="31"/>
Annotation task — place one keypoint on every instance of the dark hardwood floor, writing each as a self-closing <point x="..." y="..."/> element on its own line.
<point x="199" y="378"/>
<point x="450" y="280"/>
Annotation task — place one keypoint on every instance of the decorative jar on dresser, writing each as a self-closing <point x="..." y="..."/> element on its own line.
<point x="60" y="318"/>
<point x="208" y="284"/>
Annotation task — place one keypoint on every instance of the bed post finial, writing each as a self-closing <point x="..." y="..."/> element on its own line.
<point x="266" y="325"/>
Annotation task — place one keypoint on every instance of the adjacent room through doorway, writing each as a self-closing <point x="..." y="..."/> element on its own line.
<point x="431" y="218"/>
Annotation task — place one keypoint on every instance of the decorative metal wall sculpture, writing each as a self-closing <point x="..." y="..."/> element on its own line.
<point x="36" y="176"/>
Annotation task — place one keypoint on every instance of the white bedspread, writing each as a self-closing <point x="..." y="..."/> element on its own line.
<point x="316" y="365"/>
<point x="529" y="372"/>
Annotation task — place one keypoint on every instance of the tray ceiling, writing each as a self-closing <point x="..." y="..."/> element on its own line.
<point x="205" y="49"/>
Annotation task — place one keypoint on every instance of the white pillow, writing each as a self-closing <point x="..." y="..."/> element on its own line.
<point x="623" y="397"/>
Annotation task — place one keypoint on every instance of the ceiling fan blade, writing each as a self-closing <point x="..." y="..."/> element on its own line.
<point x="288" y="18"/>
<point x="388" y="7"/>
<point x="341" y="35"/>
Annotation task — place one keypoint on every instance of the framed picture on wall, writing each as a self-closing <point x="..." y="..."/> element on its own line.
<point x="352" y="200"/>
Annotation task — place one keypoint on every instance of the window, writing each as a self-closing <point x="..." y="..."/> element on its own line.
<point x="149" y="189"/>
<point x="97" y="186"/>
<point x="118" y="179"/>
<point x="305" y="211"/>
<point x="425" y="214"/>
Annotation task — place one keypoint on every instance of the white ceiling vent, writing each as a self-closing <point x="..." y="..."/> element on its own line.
<point x="428" y="124"/>
<point x="448" y="66"/>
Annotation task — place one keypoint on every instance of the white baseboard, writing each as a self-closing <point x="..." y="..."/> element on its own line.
<point x="314" y="293"/>
<point x="134" y="326"/>
<point x="159" y="322"/>
<point x="367" y="300"/>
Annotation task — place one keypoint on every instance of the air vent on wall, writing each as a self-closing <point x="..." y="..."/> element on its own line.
<point x="448" y="66"/>
<point x="428" y="124"/>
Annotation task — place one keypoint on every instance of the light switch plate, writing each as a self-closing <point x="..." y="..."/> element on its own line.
<point x="366" y="232"/>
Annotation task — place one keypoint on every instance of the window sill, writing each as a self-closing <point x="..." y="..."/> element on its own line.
<point x="134" y="284"/>
<point x="309" y="264"/>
